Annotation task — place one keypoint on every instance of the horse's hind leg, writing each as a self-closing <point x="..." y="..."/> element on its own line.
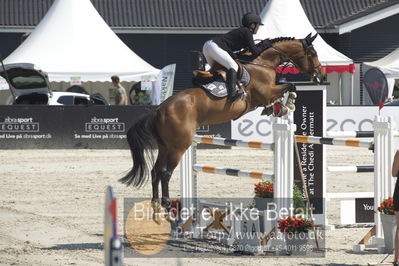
<point x="157" y="172"/>
<point x="173" y="160"/>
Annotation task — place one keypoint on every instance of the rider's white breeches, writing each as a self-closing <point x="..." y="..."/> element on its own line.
<point x="213" y="53"/>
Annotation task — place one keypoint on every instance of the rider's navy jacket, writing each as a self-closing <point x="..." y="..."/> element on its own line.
<point x="237" y="39"/>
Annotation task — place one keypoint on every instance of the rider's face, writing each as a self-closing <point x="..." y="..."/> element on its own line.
<point x="254" y="28"/>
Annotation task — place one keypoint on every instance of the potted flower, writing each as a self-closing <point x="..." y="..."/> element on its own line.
<point x="388" y="223"/>
<point x="263" y="194"/>
<point x="296" y="234"/>
<point x="294" y="225"/>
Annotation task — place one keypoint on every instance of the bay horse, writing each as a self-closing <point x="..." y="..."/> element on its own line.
<point x="172" y="126"/>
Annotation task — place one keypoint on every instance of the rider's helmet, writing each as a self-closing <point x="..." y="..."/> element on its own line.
<point x="250" y="18"/>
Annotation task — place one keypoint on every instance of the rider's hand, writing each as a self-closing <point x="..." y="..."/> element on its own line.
<point x="265" y="44"/>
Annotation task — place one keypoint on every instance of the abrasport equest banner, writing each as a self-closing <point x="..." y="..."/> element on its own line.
<point x="76" y="127"/>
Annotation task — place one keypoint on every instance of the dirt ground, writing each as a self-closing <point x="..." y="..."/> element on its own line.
<point x="52" y="205"/>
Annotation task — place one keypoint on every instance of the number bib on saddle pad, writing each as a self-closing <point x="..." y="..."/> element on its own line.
<point x="215" y="85"/>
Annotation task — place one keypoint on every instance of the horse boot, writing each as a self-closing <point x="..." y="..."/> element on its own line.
<point x="231" y="84"/>
<point x="290" y="103"/>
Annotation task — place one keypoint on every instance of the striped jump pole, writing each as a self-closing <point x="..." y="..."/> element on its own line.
<point x="233" y="142"/>
<point x="352" y="169"/>
<point x="232" y="172"/>
<point x="354" y="134"/>
<point x="334" y="141"/>
<point x="350" y="134"/>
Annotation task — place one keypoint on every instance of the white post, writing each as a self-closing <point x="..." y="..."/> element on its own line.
<point x="383" y="155"/>
<point x="188" y="179"/>
<point x="283" y="168"/>
<point x="283" y="136"/>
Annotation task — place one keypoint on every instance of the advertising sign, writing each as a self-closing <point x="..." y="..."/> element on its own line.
<point x="364" y="210"/>
<point x="377" y="85"/>
<point x="309" y="119"/>
<point x="75" y="127"/>
<point x="163" y="87"/>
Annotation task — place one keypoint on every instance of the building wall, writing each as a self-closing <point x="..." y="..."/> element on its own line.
<point x="9" y="42"/>
<point x="160" y="50"/>
<point x="371" y="42"/>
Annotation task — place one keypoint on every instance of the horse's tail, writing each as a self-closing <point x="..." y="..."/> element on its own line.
<point x="142" y="138"/>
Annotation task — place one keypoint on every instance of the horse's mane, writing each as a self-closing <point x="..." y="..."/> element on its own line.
<point x="243" y="56"/>
<point x="280" y="39"/>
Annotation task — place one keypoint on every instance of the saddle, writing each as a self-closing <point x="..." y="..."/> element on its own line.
<point x="218" y="71"/>
<point x="214" y="81"/>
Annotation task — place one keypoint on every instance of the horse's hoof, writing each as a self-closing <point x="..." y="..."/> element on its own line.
<point x="292" y="95"/>
<point x="166" y="204"/>
<point x="291" y="107"/>
<point x="268" y="110"/>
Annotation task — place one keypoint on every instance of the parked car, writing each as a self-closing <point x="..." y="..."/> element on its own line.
<point x="30" y="85"/>
<point x="392" y="103"/>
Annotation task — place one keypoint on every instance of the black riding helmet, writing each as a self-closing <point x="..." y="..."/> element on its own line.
<point x="250" y="18"/>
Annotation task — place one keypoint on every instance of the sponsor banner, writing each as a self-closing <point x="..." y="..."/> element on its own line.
<point x="356" y="118"/>
<point x="146" y="82"/>
<point x="75" y="81"/>
<point x="163" y="87"/>
<point x="219" y="130"/>
<point x="364" y="210"/>
<point x="47" y="127"/>
<point x="72" y="127"/>
<point x="308" y="118"/>
<point x="376" y="84"/>
<point x="252" y="127"/>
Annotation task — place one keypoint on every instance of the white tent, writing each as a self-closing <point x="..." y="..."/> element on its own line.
<point x="389" y="65"/>
<point x="73" y="40"/>
<point x="286" y="18"/>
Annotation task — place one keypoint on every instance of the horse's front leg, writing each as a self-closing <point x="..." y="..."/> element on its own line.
<point x="279" y="105"/>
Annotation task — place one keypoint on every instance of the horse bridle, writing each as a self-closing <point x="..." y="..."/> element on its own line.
<point x="306" y="47"/>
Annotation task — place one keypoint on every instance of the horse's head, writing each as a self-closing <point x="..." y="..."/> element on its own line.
<point x="301" y="53"/>
<point x="307" y="60"/>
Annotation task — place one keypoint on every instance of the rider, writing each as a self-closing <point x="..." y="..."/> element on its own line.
<point x="220" y="49"/>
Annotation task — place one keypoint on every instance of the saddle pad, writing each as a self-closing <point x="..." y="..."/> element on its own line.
<point x="216" y="87"/>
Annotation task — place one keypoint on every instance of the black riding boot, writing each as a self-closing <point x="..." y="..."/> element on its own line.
<point x="231" y="84"/>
